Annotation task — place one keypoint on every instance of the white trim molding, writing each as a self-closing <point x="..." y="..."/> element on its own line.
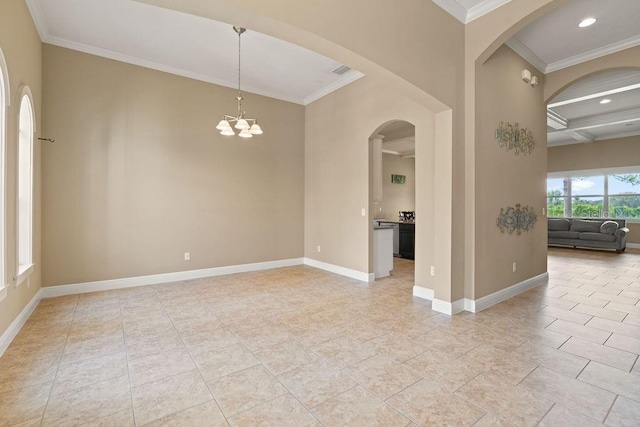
<point x="447" y="307"/>
<point x="464" y="15"/>
<point x="131" y="282"/>
<point x="424" y="293"/>
<point x="18" y="323"/>
<point x="343" y="271"/>
<point x="487" y="301"/>
<point x="593" y="54"/>
<point x="633" y="245"/>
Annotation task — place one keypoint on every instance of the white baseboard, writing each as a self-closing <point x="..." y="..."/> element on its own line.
<point x="480" y="304"/>
<point x="130" y="282"/>
<point x="424" y="293"/>
<point x="18" y="323"/>
<point x="446" y="307"/>
<point x="343" y="271"/>
<point x="633" y="245"/>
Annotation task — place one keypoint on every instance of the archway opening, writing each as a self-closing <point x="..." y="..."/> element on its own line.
<point x="393" y="200"/>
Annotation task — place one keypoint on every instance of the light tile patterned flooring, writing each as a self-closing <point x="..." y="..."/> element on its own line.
<point x="299" y="346"/>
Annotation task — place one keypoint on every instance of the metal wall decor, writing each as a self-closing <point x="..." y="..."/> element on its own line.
<point x="511" y="137"/>
<point x="516" y="219"/>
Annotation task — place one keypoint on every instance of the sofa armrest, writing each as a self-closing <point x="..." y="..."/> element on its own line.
<point x="621" y="232"/>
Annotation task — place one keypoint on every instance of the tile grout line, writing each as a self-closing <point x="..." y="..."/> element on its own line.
<point x="126" y="361"/>
<point x="46" y="407"/>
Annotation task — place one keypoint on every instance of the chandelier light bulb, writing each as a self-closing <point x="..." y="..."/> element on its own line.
<point x="227" y="132"/>
<point x="223" y="125"/>
<point x="255" y="129"/>
<point x="242" y="124"/>
<point x="245" y="134"/>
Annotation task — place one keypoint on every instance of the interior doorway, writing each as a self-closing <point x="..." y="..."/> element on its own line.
<point x="393" y="201"/>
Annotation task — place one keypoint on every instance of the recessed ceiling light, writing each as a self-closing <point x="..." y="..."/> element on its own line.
<point x="587" y="22"/>
<point x="605" y="101"/>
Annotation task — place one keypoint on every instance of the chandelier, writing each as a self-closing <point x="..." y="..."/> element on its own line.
<point x="247" y="127"/>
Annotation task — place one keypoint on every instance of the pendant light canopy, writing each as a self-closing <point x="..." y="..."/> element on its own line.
<point x="247" y="127"/>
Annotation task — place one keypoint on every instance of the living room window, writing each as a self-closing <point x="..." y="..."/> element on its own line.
<point x="607" y="195"/>
<point x="25" y="186"/>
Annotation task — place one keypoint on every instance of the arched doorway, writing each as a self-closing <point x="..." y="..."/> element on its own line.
<point x="393" y="200"/>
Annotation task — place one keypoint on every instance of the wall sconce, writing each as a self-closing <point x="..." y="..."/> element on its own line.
<point x="528" y="78"/>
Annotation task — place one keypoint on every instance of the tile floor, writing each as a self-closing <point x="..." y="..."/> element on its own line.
<point x="299" y="346"/>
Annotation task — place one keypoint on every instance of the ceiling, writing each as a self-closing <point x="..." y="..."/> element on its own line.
<point x="617" y="29"/>
<point x="399" y="139"/>
<point x="576" y="115"/>
<point x="189" y="46"/>
<point x="206" y="50"/>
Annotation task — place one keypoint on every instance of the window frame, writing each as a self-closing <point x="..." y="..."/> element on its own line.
<point x="605" y="173"/>
<point x="5" y="103"/>
<point x="23" y="271"/>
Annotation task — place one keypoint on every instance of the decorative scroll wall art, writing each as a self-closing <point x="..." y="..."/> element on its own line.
<point x="511" y="137"/>
<point x="516" y="219"/>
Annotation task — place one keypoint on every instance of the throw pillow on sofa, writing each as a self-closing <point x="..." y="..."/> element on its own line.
<point x="609" y="227"/>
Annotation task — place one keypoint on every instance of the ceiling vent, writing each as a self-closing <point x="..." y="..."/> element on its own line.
<point x="341" y="70"/>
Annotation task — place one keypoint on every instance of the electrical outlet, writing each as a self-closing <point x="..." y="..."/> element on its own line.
<point x="187" y="256"/>
<point x="433" y="270"/>
<point x="364" y="212"/>
<point x="544" y="211"/>
<point x="515" y="266"/>
<point x="318" y="248"/>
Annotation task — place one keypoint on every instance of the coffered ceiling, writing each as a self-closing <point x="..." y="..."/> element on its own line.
<point x="579" y="115"/>
<point x="555" y="41"/>
<point x="189" y="46"/>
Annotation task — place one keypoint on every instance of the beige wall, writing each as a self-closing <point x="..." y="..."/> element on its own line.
<point x="21" y="47"/>
<point x="412" y="47"/>
<point x="139" y="175"/>
<point x="612" y="153"/>
<point x="505" y="179"/>
<point x="338" y="181"/>
<point x="397" y="197"/>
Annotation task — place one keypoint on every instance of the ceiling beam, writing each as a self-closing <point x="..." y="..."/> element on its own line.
<point x="556" y="121"/>
<point x="605" y="120"/>
<point x="595" y="95"/>
<point x="581" y="135"/>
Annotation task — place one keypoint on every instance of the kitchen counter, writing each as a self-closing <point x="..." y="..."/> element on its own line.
<point x="394" y="221"/>
<point x="383" y="227"/>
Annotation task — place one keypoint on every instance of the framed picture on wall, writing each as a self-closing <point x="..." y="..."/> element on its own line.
<point x="398" y="179"/>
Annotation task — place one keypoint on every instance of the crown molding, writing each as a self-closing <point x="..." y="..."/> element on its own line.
<point x="465" y="15"/>
<point x="593" y="54"/>
<point x="133" y="60"/>
<point x="348" y="77"/>
<point x="527" y="54"/>
<point x="483" y="8"/>
<point x="454" y="9"/>
<point x="46" y="37"/>
<point x="38" y="19"/>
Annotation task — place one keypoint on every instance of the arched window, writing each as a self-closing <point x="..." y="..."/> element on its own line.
<point x="26" y="129"/>
<point x="4" y="103"/>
